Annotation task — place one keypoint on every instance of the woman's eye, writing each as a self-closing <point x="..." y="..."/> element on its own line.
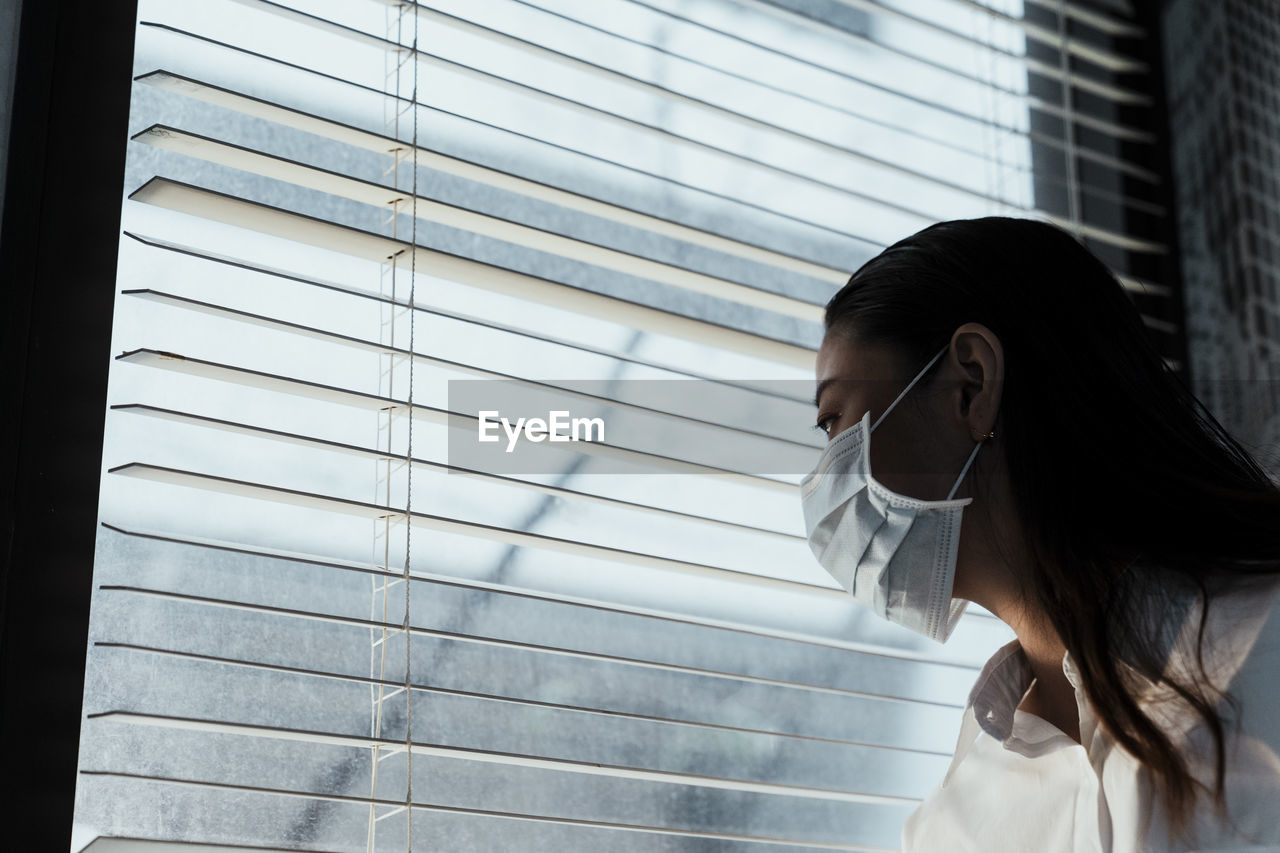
<point x="824" y="423"/>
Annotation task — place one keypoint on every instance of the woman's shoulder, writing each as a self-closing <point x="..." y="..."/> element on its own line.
<point x="1224" y="638"/>
<point x="1240" y="650"/>
<point x="1217" y="622"/>
<point x="1243" y="646"/>
<point x="1240" y="635"/>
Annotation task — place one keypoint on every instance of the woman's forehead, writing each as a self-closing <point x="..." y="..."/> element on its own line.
<point x="850" y="371"/>
<point x="844" y="358"/>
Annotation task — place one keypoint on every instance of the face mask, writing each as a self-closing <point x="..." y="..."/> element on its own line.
<point x="893" y="553"/>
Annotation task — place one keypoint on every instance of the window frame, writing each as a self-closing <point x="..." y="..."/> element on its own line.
<point x="70" y="84"/>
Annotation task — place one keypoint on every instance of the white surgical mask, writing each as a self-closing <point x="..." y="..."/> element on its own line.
<point x="893" y="553"/>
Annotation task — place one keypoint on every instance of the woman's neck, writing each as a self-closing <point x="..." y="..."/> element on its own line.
<point x="1051" y="697"/>
<point x="994" y="568"/>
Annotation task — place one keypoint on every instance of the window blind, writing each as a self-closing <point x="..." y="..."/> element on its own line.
<point x="312" y="629"/>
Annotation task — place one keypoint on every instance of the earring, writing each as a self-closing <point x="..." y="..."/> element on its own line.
<point x="991" y="434"/>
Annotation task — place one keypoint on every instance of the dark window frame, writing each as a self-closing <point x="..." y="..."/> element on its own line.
<point x="59" y="239"/>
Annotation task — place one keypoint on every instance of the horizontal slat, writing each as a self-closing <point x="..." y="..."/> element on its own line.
<point x="336" y="183"/>
<point x="376" y="142"/>
<point x="209" y="688"/>
<point x="702" y="51"/>
<point x="1146" y="288"/>
<point x="424" y="688"/>
<point x="646" y="135"/>
<point x="1109" y="59"/>
<point x="220" y="207"/>
<point x="307" y="612"/>
<point x="1115" y="62"/>
<point x="1115" y="93"/>
<point x="1160" y="325"/>
<point x="225" y="208"/>
<point x="890" y="215"/>
<point x="116" y="844"/>
<point x="205" y="788"/>
<point x="938" y="123"/>
<point x="311" y="123"/>
<point x="482" y="174"/>
<point x="562" y="492"/>
<point x="634" y="667"/>
<point x="1135" y="285"/>
<point x="859" y="45"/>
<point x="317" y="334"/>
<point x="437" y="20"/>
<point x="606" y="135"/>
<point x="680" y="533"/>
<point x="655" y="462"/>
<point x="554" y="390"/>
<point x="754" y="629"/>
<point x="512" y="672"/>
<point x="1124" y="241"/>
<point x="443" y="524"/>
<point x="681" y="370"/>
<point x="494" y="757"/>
<point x="1094" y="18"/>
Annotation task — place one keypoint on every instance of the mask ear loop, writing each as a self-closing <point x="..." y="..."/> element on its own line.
<point x="904" y="391"/>
<point x="964" y="470"/>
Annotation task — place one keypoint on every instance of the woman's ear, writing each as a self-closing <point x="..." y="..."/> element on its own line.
<point x="977" y="360"/>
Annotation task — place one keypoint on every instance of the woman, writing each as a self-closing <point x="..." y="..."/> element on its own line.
<point x="1130" y="543"/>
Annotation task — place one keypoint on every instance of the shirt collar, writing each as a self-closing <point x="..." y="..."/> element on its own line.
<point x="999" y="690"/>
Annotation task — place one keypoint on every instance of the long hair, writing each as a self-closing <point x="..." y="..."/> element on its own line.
<point x="1118" y="472"/>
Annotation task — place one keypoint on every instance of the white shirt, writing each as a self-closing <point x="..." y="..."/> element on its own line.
<point x="1019" y="784"/>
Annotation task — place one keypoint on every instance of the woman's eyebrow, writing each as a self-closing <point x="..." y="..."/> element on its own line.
<point x="817" y="395"/>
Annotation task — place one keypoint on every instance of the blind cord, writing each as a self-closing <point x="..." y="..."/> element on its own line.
<point x="408" y="508"/>
<point x="1069" y="134"/>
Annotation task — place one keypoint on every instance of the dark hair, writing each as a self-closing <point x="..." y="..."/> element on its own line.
<point x="1126" y="486"/>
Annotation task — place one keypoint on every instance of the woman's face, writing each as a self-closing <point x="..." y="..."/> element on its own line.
<point x="919" y="449"/>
